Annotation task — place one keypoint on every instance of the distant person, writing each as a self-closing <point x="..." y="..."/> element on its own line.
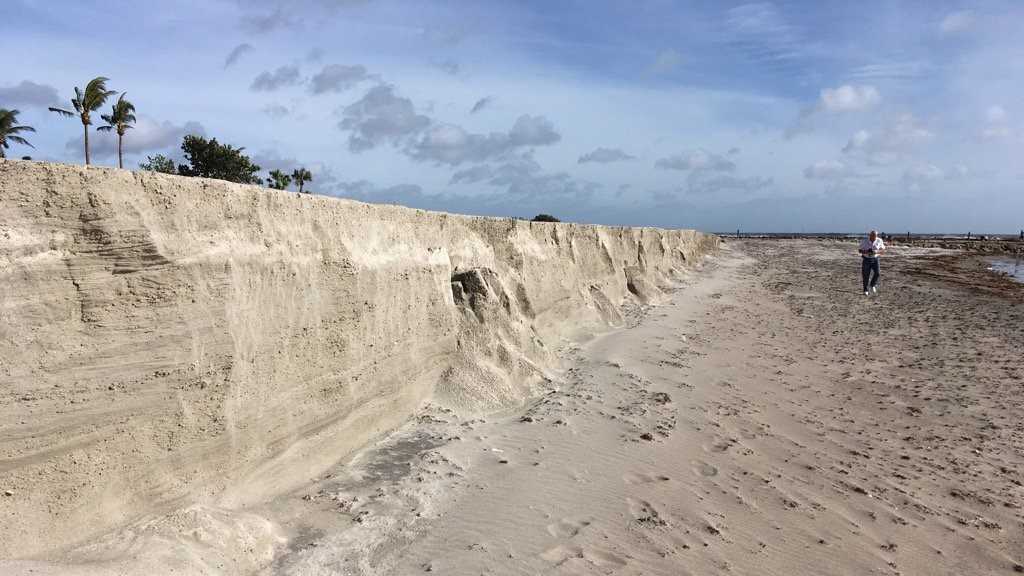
<point x="870" y="249"/>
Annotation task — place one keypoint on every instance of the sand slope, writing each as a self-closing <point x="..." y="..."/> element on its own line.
<point x="186" y="344"/>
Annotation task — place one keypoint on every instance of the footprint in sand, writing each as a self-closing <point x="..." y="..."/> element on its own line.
<point x="567" y="528"/>
<point x="563" y="554"/>
<point x="645" y="513"/>
<point x="704" y="469"/>
<point x="635" y="478"/>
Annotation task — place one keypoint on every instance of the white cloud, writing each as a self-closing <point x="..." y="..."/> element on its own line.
<point x="896" y="140"/>
<point x="825" y="170"/>
<point x="847" y="98"/>
<point x="839" y="100"/>
<point x="604" y="156"/>
<point x="957" y="22"/>
<point x="995" y="114"/>
<point x="699" y="159"/>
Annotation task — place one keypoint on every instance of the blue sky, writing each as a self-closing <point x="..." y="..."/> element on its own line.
<point x="767" y="116"/>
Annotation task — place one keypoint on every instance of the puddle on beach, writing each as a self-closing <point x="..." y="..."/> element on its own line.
<point x="1012" y="267"/>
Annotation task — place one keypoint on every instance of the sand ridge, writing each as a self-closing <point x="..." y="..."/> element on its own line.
<point x="171" y="343"/>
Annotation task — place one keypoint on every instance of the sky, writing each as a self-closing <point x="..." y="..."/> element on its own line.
<point x="764" y="116"/>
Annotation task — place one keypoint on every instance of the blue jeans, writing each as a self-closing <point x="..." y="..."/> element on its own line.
<point x="869" y="267"/>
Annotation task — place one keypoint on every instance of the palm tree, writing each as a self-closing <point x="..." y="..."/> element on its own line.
<point x="9" y="130"/>
<point x="120" y="119"/>
<point x="279" y="180"/>
<point x="301" y="176"/>
<point x="85" y="103"/>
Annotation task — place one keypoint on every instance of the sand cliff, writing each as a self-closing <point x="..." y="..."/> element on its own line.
<point x="168" y="340"/>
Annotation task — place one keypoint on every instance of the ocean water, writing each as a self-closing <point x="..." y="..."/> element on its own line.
<point x="1013" y="267"/>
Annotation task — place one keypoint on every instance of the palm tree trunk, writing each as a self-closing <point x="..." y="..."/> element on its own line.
<point x="120" y="153"/>
<point x="300" y="186"/>
<point x="86" y="127"/>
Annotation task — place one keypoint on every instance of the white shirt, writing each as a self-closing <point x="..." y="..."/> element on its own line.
<point x="877" y="246"/>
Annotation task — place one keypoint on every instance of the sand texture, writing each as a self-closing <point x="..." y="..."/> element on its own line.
<point x="769" y="419"/>
<point x="174" y="350"/>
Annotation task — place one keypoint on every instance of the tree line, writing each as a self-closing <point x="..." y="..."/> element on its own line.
<point x="204" y="158"/>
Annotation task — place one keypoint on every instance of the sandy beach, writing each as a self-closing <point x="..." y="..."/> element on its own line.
<point x="766" y="419"/>
<point x="769" y="419"/>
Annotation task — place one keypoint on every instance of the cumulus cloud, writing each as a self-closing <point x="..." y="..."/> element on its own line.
<point x="605" y="156"/>
<point x="30" y="94"/>
<point x="337" y="78"/>
<point x="236" y="53"/>
<point x="148" y="135"/>
<point x="957" y="22"/>
<point x="848" y="98"/>
<point x="481" y="104"/>
<point x="381" y="117"/>
<point x="699" y="159"/>
<point x="451" y="144"/>
<point x="270" y="81"/>
<point x="839" y="100"/>
<point x="891" y="143"/>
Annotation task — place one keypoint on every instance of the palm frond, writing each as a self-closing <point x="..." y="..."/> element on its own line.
<point x="96" y="93"/>
<point x="104" y="128"/>
<point x="16" y="129"/>
<point x="19" y="140"/>
<point x="62" y="112"/>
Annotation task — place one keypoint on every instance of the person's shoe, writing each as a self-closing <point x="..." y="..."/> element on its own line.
<point x="866" y="293"/>
<point x="874" y="289"/>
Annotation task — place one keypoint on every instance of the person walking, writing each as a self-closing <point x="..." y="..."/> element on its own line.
<point x="870" y="249"/>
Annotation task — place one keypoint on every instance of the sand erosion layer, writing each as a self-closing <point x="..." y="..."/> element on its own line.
<point x="168" y="340"/>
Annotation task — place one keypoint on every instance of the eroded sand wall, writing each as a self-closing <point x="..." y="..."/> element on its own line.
<point x="166" y="340"/>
